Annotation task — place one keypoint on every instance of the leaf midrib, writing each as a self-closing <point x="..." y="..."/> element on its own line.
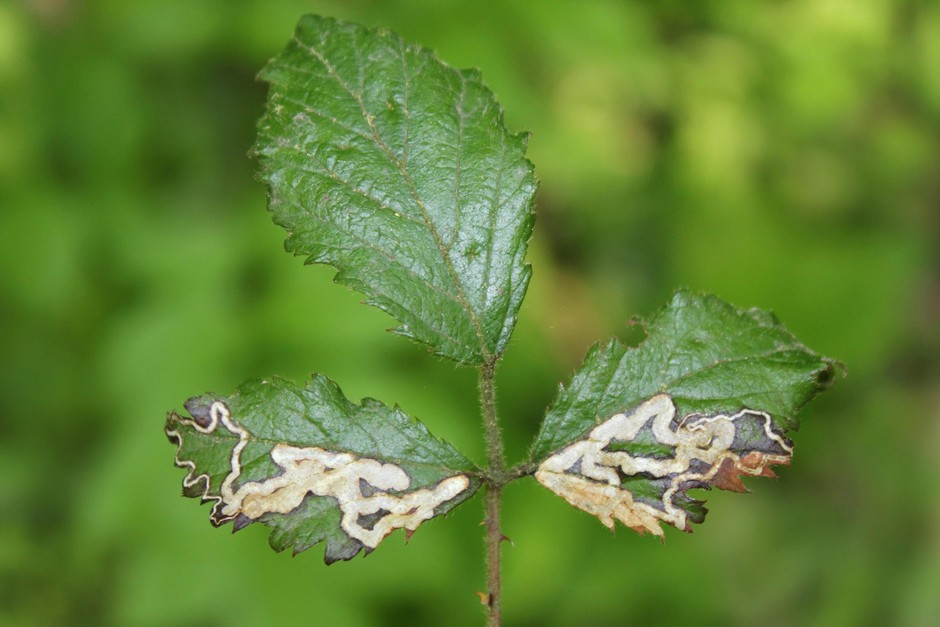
<point x="461" y="295"/>
<point x="663" y="387"/>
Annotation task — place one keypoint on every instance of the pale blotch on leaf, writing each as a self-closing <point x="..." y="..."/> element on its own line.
<point x="361" y="486"/>
<point x="659" y="460"/>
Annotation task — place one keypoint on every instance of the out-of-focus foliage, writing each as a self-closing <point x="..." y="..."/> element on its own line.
<point x="784" y="155"/>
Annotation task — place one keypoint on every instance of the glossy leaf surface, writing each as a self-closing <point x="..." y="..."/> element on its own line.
<point x="396" y="169"/>
<point x="708" y="396"/>
<point x="314" y="466"/>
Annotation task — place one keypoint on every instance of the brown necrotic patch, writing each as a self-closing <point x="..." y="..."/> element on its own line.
<point x="637" y="466"/>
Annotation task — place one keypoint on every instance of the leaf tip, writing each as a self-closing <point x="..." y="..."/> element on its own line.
<point x="830" y="373"/>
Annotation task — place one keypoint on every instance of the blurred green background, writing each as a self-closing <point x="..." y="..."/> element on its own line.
<point x="781" y="153"/>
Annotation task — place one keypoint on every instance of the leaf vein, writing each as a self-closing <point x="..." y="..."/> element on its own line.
<point x="429" y="223"/>
<point x="392" y="258"/>
<point x="494" y="206"/>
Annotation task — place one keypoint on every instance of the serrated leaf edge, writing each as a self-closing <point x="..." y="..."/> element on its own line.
<point x="313" y="470"/>
<point x="824" y="375"/>
<point x="590" y="477"/>
<point x="482" y="353"/>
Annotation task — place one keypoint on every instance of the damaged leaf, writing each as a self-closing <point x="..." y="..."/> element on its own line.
<point x="706" y="398"/>
<point x="314" y="466"/>
<point x="396" y="169"/>
<point x="640" y="487"/>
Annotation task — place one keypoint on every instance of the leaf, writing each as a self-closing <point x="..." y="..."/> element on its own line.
<point x="314" y="466"/>
<point x="397" y="170"/>
<point x="708" y="396"/>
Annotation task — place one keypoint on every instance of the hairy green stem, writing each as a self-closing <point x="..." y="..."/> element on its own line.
<point x="495" y="479"/>
<point x="494" y="538"/>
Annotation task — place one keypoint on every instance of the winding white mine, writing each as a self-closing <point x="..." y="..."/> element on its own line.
<point x="367" y="518"/>
<point x="589" y="477"/>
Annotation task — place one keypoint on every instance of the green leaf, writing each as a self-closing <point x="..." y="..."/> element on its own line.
<point x="314" y="466"/>
<point x="708" y="396"/>
<point x="397" y="169"/>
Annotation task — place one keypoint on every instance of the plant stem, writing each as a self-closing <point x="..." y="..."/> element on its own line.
<point x="495" y="479"/>
<point x="494" y="539"/>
